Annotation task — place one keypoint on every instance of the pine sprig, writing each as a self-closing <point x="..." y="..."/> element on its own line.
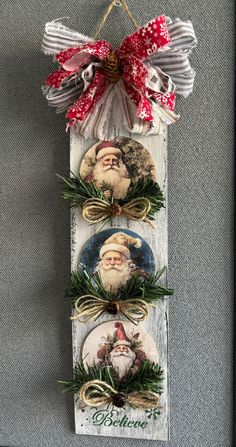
<point x="145" y="288"/>
<point x="81" y="375"/>
<point x="150" y="190"/>
<point x="149" y="377"/>
<point x="83" y="284"/>
<point x="77" y="191"/>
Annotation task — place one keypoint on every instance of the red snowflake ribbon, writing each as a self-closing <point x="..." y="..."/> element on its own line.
<point x="130" y="56"/>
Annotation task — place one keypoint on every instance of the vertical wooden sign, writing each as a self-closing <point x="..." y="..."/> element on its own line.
<point x="112" y="421"/>
<point x="120" y="362"/>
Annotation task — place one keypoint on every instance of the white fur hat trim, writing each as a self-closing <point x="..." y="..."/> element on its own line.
<point x="107" y="151"/>
<point x="115" y="247"/>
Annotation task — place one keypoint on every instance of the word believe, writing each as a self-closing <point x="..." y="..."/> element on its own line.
<point x="111" y="418"/>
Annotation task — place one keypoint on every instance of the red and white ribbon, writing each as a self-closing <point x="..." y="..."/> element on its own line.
<point x="145" y="94"/>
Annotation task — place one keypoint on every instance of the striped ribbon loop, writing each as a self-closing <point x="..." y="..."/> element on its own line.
<point x="174" y="61"/>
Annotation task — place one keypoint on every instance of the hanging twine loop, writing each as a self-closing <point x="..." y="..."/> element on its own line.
<point x="96" y="393"/>
<point x="90" y="307"/>
<point x="97" y="210"/>
<point x="127" y="11"/>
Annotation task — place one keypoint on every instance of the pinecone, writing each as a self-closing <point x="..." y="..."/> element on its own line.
<point x="113" y="68"/>
<point x="118" y="400"/>
<point x="112" y="308"/>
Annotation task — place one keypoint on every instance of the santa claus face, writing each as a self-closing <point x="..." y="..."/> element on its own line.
<point x="122" y="359"/>
<point x="110" y="162"/>
<point x="121" y="348"/>
<point x="109" y="170"/>
<point x="114" y="270"/>
<point x="111" y="259"/>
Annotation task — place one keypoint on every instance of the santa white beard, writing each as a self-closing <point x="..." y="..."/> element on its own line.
<point x="114" y="277"/>
<point x="110" y="175"/>
<point x="122" y="362"/>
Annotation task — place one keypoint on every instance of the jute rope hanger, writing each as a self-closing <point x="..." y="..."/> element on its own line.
<point x="126" y="9"/>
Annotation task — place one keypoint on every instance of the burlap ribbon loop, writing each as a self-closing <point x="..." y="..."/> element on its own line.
<point x="97" y="393"/>
<point x="90" y="307"/>
<point x="97" y="210"/>
<point x="143" y="399"/>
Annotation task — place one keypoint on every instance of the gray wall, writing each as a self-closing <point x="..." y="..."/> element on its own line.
<point x="36" y="332"/>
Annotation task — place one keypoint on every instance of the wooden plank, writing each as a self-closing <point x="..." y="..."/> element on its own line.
<point x="148" y="425"/>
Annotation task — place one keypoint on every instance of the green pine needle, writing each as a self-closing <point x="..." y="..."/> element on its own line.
<point x="149" y="377"/>
<point x="150" y="190"/>
<point x="77" y="191"/>
<point x="147" y="289"/>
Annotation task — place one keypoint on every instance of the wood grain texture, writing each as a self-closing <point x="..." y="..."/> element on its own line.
<point x="156" y="428"/>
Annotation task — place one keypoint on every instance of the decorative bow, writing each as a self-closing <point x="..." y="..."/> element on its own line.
<point x="91" y="307"/>
<point x="125" y="62"/>
<point x="96" y="393"/>
<point x="98" y="210"/>
<point x="143" y="74"/>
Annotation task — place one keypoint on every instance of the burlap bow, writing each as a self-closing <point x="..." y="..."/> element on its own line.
<point x="91" y="307"/>
<point x="97" y="210"/>
<point x="97" y="393"/>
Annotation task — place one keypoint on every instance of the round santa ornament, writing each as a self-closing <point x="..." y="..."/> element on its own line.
<point x="116" y="275"/>
<point x="119" y="368"/>
<point x="116" y="178"/>
<point x="114" y="166"/>
<point x="121" y="346"/>
<point x="117" y="255"/>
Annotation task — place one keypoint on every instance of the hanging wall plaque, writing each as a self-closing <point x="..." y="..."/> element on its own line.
<point x="118" y="104"/>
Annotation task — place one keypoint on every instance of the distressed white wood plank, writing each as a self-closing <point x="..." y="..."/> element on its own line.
<point x="86" y="420"/>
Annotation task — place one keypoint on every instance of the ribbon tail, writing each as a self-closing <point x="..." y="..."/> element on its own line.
<point x="88" y="99"/>
<point x="143" y="110"/>
<point x="127" y="113"/>
<point x="100" y="124"/>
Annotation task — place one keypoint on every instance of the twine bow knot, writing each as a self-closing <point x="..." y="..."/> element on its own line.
<point x="97" y="210"/>
<point x="91" y="307"/>
<point x="97" y="393"/>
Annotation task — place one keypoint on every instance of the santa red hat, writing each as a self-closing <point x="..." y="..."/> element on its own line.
<point x="107" y="148"/>
<point x="120" y="336"/>
<point x="120" y="242"/>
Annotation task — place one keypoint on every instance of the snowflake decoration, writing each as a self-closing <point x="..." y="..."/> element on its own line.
<point x="143" y="114"/>
<point x="154" y="413"/>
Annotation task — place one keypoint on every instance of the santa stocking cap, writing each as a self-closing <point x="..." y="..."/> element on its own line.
<point x="107" y="148"/>
<point x="121" y="337"/>
<point x="120" y="242"/>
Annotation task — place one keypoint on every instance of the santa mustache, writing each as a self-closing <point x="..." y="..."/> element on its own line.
<point x="121" y="354"/>
<point x="119" y="268"/>
<point x="108" y="167"/>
